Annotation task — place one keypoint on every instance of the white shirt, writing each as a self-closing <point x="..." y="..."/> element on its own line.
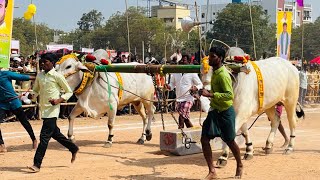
<point x="148" y="59"/>
<point x="179" y="56"/>
<point x="303" y="79"/>
<point x="183" y="83"/>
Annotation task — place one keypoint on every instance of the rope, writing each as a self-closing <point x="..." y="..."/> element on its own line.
<point x="140" y="96"/>
<point x="158" y="97"/>
<point x="185" y="139"/>
<point x="109" y="93"/>
<point x="253" y="123"/>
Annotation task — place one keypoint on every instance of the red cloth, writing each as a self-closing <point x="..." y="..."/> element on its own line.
<point x="315" y="60"/>
<point x="90" y="58"/>
<point x="104" y="61"/>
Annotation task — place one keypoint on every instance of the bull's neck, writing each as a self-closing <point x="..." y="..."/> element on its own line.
<point x="75" y="82"/>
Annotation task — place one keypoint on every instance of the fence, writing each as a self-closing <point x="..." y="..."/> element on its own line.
<point x="311" y="99"/>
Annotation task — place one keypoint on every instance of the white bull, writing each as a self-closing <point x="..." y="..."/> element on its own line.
<point x="95" y="101"/>
<point x="281" y="84"/>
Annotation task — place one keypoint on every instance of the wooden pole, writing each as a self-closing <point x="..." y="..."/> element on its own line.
<point x="161" y="69"/>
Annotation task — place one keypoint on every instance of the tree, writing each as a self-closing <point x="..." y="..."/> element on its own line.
<point x="90" y="21"/>
<point x="24" y="31"/>
<point x="233" y="26"/>
<point x="311" y="48"/>
<point x="152" y="31"/>
<point x="142" y="29"/>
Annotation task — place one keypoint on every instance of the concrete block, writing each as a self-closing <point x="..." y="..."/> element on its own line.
<point x="173" y="141"/>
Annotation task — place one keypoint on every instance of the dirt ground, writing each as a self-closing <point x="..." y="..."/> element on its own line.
<point x="128" y="160"/>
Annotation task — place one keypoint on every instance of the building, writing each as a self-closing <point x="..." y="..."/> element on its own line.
<point x="270" y="7"/>
<point x="299" y="14"/>
<point x="210" y="14"/>
<point x="171" y="14"/>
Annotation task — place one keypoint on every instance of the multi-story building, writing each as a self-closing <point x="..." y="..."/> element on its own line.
<point x="171" y="15"/>
<point x="271" y="7"/>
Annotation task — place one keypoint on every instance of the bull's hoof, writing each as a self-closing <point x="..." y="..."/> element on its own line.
<point x="285" y="144"/>
<point x="247" y="156"/>
<point x="140" y="141"/>
<point x="149" y="136"/>
<point x="288" y="151"/>
<point x="268" y="150"/>
<point x="72" y="139"/>
<point x="107" y="144"/>
<point x="221" y="163"/>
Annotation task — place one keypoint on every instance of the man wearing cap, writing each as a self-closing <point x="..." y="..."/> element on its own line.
<point x="17" y="65"/>
<point x="48" y="85"/>
<point x="9" y="101"/>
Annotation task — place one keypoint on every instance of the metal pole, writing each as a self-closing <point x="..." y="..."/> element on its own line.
<point x="254" y="42"/>
<point x="165" y="48"/>
<point x="302" y="35"/>
<point x="143" y="51"/>
<point x="199" y="30"/>
<point x="128" y="26"/>
<point x="207" y="16"/>
<point x="35" y="30"/>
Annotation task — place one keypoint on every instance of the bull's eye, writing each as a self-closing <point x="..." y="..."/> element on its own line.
<point x="68" y="67"/>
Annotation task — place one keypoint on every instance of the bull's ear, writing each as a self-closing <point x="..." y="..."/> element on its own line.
<point x="82" y="67"/>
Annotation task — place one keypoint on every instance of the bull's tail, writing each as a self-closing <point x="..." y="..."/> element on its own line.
<point x="299" y="111"/>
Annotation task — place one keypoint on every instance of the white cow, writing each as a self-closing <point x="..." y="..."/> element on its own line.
<point x="95" y="101"/>
<point x="281" y="84"/>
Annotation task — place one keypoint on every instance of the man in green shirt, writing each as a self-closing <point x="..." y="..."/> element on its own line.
<point x="220" y="121"/>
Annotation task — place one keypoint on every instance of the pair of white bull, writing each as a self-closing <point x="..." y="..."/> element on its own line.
<point x="281" y="83"/>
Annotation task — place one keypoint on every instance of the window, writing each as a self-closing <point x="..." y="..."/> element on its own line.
<point x="203" y="15"/>
<point x="168" y="20"/>
<point x="202" y="28"/>
<point x="266" y="11"/>
<point x="288" y="9"/>
<point x="214" y="13"/>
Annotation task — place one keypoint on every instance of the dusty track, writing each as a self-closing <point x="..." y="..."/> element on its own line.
<point x="128" y="160"/>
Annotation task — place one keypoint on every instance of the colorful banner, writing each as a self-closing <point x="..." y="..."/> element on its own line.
<point x="56" y="47"/>
<point x="6" y="21"/>
<point x="300" y="3"/>
<point x="284" y="26"/>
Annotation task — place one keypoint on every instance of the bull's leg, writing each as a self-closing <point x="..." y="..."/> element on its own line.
<point x="138" y="106"/>
<point x="111" y="118"/>
<point x="223" y="159"/>
<point x="150" y="109"/>
<point x="249" y="147"/>
<point x="291" y="110"/>
<point x="76" y="111"/>
<point x="275" y="121"/>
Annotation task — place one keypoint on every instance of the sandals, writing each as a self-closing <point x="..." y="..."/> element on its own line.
<point x="33" y="169"/>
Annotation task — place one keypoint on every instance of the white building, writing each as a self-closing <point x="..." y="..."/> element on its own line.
<point x="270" y="7"/>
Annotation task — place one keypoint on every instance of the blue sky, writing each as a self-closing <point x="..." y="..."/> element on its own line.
<point x="64" y="14"/>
